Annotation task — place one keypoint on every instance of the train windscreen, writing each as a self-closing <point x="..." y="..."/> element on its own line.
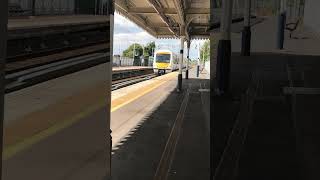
<point x="163" y="58"/>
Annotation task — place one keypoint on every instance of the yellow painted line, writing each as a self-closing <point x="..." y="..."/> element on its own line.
<point x="132" y="96"/>
<point x="11" y="150"/>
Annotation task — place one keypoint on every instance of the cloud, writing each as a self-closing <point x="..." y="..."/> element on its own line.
<point x="123" y="40"/>
<point x="123" y="25"/>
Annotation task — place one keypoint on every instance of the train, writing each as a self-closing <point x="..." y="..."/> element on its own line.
<point x="166" y="61"/>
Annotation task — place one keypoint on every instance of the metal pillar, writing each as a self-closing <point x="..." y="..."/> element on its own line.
<point x="198" y="61"/>
<point x="3" y="51"/>
<point x="188" y="53"/>
<point x="246" y="32"/>
<point x="281" y="24"/>
<point x="224" y="49"/>
<point x="33" y="11"/>
<point x="180" y="65"/>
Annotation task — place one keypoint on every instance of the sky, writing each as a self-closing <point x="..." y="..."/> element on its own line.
<point x="127" y="33"/>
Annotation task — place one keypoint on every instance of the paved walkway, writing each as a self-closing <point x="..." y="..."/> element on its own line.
<point x="282" y="137"/>
<point x="57" y="129"/>
<point x="138" y="157"/>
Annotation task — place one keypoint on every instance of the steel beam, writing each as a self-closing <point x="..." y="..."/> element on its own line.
<point x="180" y="10"/>
<point x="122" y="7"/>
<point x="169" y="11"/>
<point x="158" y="7"/>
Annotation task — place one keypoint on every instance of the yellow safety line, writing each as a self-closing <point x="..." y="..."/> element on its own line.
<point x="10" y="150"/>
<point x="137" y="94"/>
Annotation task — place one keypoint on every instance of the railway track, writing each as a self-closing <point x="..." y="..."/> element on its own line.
<point x="129" y="81"/>
<point x="23" y="74"/>
<point x="37" y="74"/>
<point x="36" y="55"/>
<point x="16" y="66"/>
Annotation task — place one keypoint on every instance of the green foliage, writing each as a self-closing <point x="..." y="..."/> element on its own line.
<point x="205" y="51"/>
<point x="149" y="49"/>
<point x="133" y="47"/>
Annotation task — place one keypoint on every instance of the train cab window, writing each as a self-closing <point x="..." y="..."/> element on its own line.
<point x="163" y="58"/>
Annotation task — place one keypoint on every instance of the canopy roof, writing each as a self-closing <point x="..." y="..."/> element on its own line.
<point x="163" y="18"/>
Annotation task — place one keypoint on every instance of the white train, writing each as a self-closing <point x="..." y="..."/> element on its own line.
<point x="165" y="61"/>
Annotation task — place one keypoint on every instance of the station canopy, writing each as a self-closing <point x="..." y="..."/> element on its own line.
<point x="163" y="18"/>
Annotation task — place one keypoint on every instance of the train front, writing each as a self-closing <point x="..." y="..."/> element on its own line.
<point x="162" y="62"/>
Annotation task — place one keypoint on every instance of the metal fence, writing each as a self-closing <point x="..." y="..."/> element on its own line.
<point x="126" y="61"/>
<point x="41" y="7"/>
<point x="56" y="7"/>
<point x="122" y="61"/>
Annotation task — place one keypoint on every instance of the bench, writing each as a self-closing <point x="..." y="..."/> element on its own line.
<point x="292" y="27"/>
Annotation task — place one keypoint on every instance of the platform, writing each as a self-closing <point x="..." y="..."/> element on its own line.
<point x="43" y="125"/>
<point x="280" y="142"/>
<point x="138" y="154"/>
<point x="48" y="124"/>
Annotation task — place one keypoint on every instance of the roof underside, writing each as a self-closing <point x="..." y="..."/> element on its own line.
<point x="163" y="18"/>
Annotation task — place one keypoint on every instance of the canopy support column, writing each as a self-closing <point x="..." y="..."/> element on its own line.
<point x="179" y="89"/>
<point x="188" y="53"/>
<point x="180" y="65"/>
<point x="246" y="32"/>
<point x="281" y="23"/>
<point x="224" y="49"/>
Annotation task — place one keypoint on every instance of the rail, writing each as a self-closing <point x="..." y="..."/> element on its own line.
<point x="227" y="167"/>
<point x="25" y="78"/>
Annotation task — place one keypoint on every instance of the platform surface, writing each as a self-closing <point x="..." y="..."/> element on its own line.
<point x="57" y="129"/>
<point x="139" y="153"/>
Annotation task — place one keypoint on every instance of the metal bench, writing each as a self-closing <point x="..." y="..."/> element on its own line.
<point x="292" y="27"/>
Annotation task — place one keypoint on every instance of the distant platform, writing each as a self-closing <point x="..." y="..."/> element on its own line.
<point x="130" y="68"/>
<point x="34" y="22"/>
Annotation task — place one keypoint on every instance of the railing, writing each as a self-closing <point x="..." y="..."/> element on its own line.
<point x="56" y="7"/>
<point x="126" y="61"/>
<point x="122" y="61"/>
<point x="228" y="165"/>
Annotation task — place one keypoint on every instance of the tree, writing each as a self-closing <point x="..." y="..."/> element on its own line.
<point x="149" y="49"/>
<point x="205" y="51"/>
<point x="133" y="47"/>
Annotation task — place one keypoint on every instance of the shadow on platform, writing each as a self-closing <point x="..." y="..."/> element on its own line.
<point x="138" y="155"/>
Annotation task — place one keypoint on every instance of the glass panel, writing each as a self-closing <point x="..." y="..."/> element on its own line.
<point x="163" y="58"/>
